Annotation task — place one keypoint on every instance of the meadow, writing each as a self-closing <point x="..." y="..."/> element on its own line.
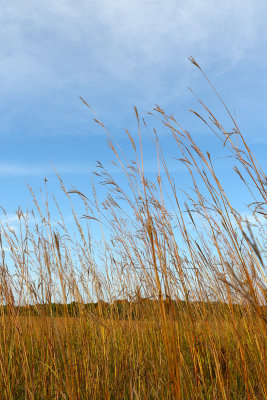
<point x="169" y="304"/>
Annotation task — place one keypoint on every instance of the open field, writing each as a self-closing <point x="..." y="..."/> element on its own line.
<point x="94" y="358"/>
<point x="170" y="302"/>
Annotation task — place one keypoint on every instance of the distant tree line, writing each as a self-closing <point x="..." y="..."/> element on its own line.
<point x="123" y="309"/>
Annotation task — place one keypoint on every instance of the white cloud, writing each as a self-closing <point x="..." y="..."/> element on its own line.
<point x="32" y="169"/>
<point x="254" y="219"/>
<point x="116" y="53"/>
<point x="56" y="43"/>
<point x="27" y="170"/>
<point x="8" y="218"/>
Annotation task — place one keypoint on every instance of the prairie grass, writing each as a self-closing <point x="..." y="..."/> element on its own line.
<point x="169" y="304"/>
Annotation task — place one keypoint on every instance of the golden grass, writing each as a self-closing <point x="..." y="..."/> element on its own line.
<point x="79" y="358"/>
<point x="179" y="282"/>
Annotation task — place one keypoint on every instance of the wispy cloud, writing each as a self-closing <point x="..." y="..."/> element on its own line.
<point x="119" y="38"/>
<point x="18" y="170"/>
<point x="115" y="54"/>
<point x="31" y="170"/>
<point x="8" y="218"/>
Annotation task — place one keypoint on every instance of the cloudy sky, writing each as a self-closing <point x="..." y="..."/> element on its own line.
<point x="117" y="54"/>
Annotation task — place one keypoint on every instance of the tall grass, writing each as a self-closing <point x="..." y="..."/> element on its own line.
<point x="169" y="304"/>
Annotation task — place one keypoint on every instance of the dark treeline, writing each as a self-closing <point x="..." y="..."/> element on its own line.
<point x="123" y="309"/>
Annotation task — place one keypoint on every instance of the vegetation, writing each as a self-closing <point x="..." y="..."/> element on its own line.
<point x="169" y="304"/>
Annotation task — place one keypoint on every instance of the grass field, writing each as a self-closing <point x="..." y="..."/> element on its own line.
<point x="170" y="304"/>
<point x="218" y="353"/>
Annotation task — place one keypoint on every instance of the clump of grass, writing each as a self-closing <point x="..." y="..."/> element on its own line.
<point x="170" y="304"/>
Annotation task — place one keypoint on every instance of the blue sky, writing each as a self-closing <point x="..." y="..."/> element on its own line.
<point x="116" y="54"/>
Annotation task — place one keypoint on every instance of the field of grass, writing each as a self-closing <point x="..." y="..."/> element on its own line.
<point x="169" y="304"/>
<point x="63" y="357"/>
